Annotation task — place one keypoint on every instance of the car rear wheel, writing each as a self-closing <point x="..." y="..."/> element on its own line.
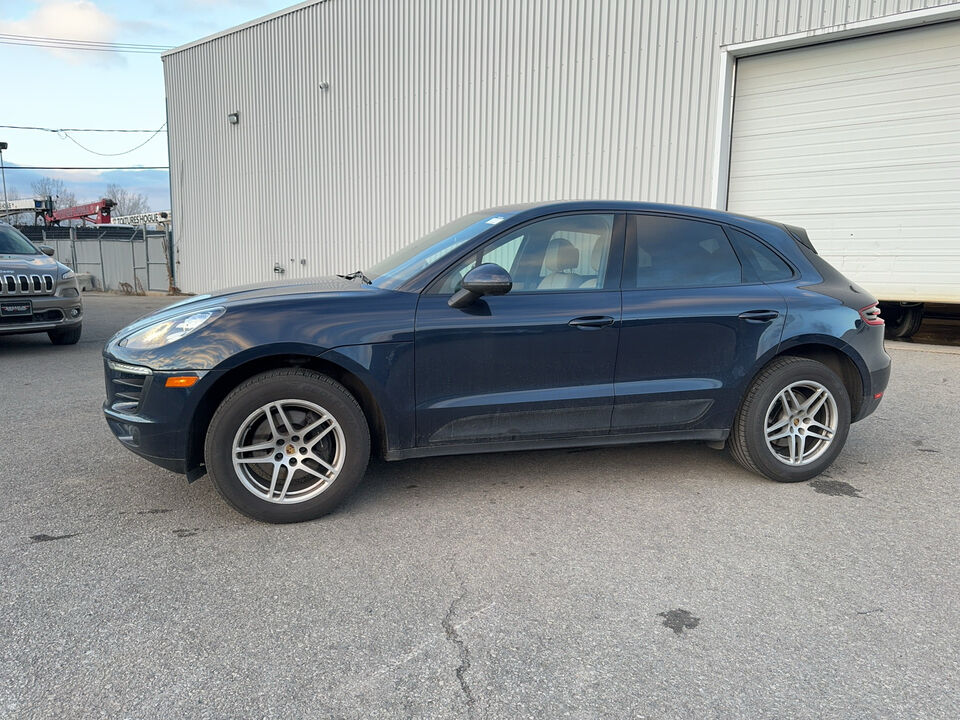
<point x="901" y="321"/>
<point x="793" y="421"/>
<point x="287" y="445"/>
<point x="67" y="336"/>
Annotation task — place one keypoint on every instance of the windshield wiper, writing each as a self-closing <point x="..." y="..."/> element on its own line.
<point x="357" y="274"/>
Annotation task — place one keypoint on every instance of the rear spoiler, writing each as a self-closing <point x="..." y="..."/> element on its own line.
<point x="800" y="235"/>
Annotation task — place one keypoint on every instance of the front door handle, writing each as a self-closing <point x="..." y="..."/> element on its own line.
<point x="591" y="322"/>
<point x="759" y="315"/>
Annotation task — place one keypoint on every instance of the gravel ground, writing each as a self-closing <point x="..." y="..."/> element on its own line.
<point x="651" y="581"/>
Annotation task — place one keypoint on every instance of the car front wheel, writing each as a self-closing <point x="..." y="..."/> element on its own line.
<point x="287" y="445"/>
<point x="793" y="421"/>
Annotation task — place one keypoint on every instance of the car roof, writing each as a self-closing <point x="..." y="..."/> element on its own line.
<point x="534" y="209"/>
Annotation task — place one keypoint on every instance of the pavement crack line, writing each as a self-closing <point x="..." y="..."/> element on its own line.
<point x="453" y="636"/>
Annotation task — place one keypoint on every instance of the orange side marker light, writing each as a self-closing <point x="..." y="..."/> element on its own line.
<point x="181" y="381"/>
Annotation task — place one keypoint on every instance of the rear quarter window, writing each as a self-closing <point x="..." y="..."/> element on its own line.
<point x="760" y="263"/>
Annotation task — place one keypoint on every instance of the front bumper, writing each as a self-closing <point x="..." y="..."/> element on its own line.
<point x="149" y="418"/>
<point x="49" y="312"/>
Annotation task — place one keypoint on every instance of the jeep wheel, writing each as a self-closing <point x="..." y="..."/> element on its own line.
<point x="67" y="336"/>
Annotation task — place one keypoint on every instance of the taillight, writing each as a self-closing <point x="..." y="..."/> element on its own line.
<point x="871" y="314"/>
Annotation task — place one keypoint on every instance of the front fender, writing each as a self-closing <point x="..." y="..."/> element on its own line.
<point x="386" y="371"/>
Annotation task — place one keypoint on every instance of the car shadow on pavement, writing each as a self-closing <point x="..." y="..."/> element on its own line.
<point x="575" y="469"/>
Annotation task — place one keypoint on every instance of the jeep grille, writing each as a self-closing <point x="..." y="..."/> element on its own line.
<point x="26" y="285"/>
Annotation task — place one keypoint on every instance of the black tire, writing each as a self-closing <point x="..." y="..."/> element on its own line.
<point x="748" y="443"/>
<point x="67" y="336"/>
<point x="901" y="321"/>
<point x="272" y="386"/>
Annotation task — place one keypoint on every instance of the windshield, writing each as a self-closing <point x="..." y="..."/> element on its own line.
<point x="12" y="242"/>
<point x="404" y="264"/>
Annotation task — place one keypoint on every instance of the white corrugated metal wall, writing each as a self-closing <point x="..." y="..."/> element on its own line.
<point x="437" y="108"/>
<point x="858" y="141"/>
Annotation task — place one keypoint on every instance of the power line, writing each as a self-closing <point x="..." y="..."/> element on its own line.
<point x="92" y="45"/>
<point x="63" y="130"/>
<point x="65" y="134"/>
<point x="117" y="167"/>
<point x="67" y="47"/>
<point x="116" y="154"/>
<point x="73" y="41"/>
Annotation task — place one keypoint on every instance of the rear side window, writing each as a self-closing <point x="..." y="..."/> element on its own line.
<point x="676" y="252"/>
<point x="760" y="263"/>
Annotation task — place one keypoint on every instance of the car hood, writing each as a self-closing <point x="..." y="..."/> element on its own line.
<point x="300" y="318"/>
<point x="245" y="294"/>
<point x="14" y="264"/>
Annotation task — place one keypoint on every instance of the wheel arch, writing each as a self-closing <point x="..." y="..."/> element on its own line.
<point x="231" y="378"/>
<point x="837" y="356"/>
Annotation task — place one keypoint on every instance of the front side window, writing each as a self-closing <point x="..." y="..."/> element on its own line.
<point x="569" y="252"/>
<point x="677" y="252"/>
<point x="13" y="242"/>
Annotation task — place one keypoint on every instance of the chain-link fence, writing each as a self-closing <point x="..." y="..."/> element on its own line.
<point x="124" y="258"/>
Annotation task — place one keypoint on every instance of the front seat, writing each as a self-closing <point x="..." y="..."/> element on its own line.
<point x="596" y="260"/>
<point x="561" y="257"/>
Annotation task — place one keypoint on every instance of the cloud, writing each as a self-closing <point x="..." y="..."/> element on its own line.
<point x="77" y="20"/>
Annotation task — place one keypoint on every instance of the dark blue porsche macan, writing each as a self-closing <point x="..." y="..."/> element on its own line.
<point x="529" y="326"/>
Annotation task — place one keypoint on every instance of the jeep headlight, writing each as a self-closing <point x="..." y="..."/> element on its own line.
<point x="67" y="274"/>
<point x="170" y="330"/>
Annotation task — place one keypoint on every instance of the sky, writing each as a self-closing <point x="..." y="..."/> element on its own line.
<point x="56" y="88"/>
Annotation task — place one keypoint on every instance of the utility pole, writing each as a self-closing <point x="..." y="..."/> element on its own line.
<point x="3" y="172"/>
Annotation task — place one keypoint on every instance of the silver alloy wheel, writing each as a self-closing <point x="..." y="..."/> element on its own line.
<point x="801" y="423"/>
<point x="288" y="451"/>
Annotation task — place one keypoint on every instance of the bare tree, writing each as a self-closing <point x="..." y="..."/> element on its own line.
<point x="127" y="202"/>
<point x="55" y="188"/>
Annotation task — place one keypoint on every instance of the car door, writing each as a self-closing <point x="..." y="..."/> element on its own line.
<point x="694" y="324"/>
<point x="537" y="362"/>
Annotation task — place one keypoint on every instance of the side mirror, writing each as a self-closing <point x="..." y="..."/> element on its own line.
<point x="486" y="279"/>
<point x="46" y="250"/>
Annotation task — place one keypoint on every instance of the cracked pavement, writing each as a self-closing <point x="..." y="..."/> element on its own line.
<point x="531" y="585"/>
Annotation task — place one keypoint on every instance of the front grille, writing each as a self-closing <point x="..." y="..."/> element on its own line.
<point x="125" y="390"/>
<point x="17" y="285"/>
<point x="44" y="316"/>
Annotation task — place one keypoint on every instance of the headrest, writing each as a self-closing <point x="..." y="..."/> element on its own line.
<point x="596" y="257"/>
<point x="561" y="255"/>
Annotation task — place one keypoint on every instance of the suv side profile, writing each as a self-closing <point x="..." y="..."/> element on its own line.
<point x="545" y="325"/>
<point x="37" y="294"/>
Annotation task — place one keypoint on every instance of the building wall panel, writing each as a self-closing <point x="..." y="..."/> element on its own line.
<point x="437" y="108"/>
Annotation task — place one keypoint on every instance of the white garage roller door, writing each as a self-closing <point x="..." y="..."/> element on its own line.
<point x="858" y="141"/>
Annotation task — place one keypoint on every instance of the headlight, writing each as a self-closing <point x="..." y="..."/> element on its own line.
<point x="67" y="274"/>
<point x="170" y="330"/>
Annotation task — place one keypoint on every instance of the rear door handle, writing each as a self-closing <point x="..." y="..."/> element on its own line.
<point x="591" y="321"/>
<point x="759" y="315"/>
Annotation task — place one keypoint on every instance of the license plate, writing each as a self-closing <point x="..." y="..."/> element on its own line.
<point x="19" y="307"/>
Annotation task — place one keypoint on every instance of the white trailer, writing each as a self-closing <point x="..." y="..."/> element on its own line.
<point x="38" y="206"/>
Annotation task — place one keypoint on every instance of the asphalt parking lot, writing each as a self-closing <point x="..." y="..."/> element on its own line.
<point x="651" y="581"/>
